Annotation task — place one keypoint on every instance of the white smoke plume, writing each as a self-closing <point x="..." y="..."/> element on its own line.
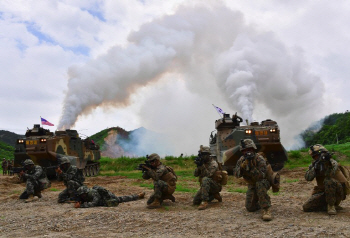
<point x="218" y="56"/>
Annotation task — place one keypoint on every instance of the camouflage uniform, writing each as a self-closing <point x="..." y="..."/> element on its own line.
<point x="4" y="166"/>
<point x="258" y="185"/>
<point x="329" y="191"/>
<point x="210" y="188"/>
<point x="10" y="167"/>
<point x="164" y="182"/>
<point x="254" y="171"/>
<point x="99" y="196"/>
<point x="36" y="181"/>
<point x="73" y="179"/>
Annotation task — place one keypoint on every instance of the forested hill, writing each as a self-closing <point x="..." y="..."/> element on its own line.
<point x="9" y="137"/>
<point x="335" y="129"/>
<point x="6" y="151"/>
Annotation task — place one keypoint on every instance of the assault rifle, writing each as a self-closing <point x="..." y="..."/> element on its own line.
<point x="248" y="157"/>
<point x="319" y="163"/>
<point x="144" y="167"/>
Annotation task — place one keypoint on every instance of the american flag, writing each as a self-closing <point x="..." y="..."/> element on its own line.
<point x="45" y="122"/>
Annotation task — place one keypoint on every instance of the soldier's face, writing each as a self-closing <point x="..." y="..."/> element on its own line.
<point x="155" y="163"/>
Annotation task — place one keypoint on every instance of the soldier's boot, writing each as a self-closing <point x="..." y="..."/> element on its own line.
<point x="154" y="204"/>
<point x="38" y="194"/>
<point x="30" y="198"/>
<point x="203" y="205"/>
<point x="218" y="197"/>
<point x="266" y="216"/>
<point x="170" y="197"/>
<point x="141" y="195"/>
<point x="331" y="210"/>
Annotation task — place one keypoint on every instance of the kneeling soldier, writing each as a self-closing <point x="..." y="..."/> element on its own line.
<point x="209" y="179"/>
<point x="36" y="181"/>
<point x="72" y="177"/>
<point x="164" y="180"/>
<point x="331" y="182"/>
<point x="252" y="166"/>
<point x="99" y="196"/>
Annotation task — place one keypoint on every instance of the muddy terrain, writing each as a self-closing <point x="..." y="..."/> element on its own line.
<point x="46" y="218"/>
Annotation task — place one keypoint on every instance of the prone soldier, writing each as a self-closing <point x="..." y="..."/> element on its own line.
<point x="331" y="186"/>
<point x="210" y="177"/>
<point x="164" y="180"/>
<point x="72" y="177"/>
<point x="253" y="168"/>
<point x="36" y="180"/>
<point x="99" y="196"/>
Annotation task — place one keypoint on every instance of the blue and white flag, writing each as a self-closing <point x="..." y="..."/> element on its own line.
<point x="219" y="110"/>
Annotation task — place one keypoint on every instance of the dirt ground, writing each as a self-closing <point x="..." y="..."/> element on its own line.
<point x="47" y="218"/>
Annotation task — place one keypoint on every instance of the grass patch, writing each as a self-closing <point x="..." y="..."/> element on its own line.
<point x="144" y="185"/>
<point x="54" y="189"/>
<point x="290" y="180"/>
<point x="182" y="187"/>
<point x="237" y="190"/>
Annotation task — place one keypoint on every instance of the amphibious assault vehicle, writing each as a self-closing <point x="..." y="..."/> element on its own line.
<point x="224" y="144"/>
<point x="45" y="148"/>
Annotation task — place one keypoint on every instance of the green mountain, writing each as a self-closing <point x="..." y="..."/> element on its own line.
<point x="6" y="151"/>
<point x="333" y="129"/>
<point x="9" y="137"/>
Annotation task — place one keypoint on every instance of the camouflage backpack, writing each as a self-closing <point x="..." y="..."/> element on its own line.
<point x="273" y="177"/>
<point x="345" y="171"/>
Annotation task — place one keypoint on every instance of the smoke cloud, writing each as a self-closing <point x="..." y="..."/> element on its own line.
<point x="218" y="57"/>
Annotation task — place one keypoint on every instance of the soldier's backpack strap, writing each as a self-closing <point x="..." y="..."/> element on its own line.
<point x="171" y="170"/>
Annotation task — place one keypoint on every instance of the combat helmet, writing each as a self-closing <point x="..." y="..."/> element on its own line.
<point x="204" y="150"/>
<point x="247" y="143"/>
<point x="28" y="162"/>
<point x="83" y="189"/>
<point x="153" y="157"/>
<point x="64" y="160"/>
<point x="317" y="149"/>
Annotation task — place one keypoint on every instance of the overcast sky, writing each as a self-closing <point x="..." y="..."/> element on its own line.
<point x="89" y="65"/>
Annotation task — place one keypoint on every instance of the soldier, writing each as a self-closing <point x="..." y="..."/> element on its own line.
<point x="330" y="189"/>
<point x="4" y="166"/>
<point x="9" y="167"/>
<point x="236" y="120"/>
<point x="252" y="166"/>
<point x="72" y="177"/>
<point x="209" y="179"/>
<point x="36" y="181"/>
<point x="99" y="196"/>
<point x="164" y="180"/>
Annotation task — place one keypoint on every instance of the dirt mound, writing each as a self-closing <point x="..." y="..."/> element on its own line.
<point x="47" y="218"/>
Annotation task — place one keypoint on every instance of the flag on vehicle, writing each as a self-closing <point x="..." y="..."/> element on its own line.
<point x="45" y="122"/>
<point x="219" y="110"/>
